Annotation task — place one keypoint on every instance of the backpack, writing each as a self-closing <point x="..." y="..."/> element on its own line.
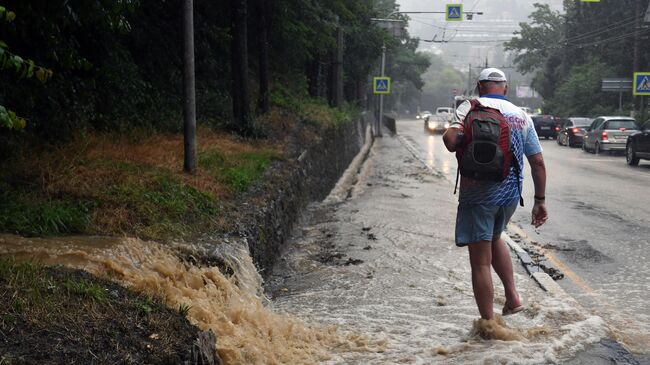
<point x="486" y="152"/>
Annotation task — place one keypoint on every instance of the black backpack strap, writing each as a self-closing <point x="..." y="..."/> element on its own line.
<point x="457" y="176"/>
<point x="518" y="175"/>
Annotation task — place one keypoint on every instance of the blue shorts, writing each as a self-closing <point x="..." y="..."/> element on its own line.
<point x="480" y="222"/>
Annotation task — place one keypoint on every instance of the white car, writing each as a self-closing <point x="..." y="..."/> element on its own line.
<point x="445" y="113"/>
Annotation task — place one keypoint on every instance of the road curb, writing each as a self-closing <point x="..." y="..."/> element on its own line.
<point x="544" y="280"/>
<point x="342" y="188"/>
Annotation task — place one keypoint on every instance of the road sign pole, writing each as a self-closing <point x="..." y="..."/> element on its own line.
<point x="620" y="100"/>
<point x="381" y="96"/>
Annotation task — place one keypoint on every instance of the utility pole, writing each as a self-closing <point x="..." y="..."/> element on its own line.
<point x="263" y="7"/>
<point x="189" y="93"/>
<point x="240" y="90"/>
<point x="337" y="92"/>
<point x="380" y="120"/>
<point x="635" y="51"/>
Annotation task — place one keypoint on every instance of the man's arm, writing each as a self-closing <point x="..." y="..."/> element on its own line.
<point x="451" y="134"/>
<point x="450" y="137"/>
<point x="538" y="170"/>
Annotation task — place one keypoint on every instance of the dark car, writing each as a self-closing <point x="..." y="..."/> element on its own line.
<point x="572" y="131"/>
<point x="638" y="145"/>
<point x="545" y="126"/>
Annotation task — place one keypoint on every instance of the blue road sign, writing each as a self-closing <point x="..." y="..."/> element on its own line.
<point x="641" y="83"/>
<point x="381" y="85"/>
<point x="454" y="12"/>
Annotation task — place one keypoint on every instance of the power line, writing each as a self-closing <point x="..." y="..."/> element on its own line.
<point x="610" y="27"/>
<point x="615" y="38"/>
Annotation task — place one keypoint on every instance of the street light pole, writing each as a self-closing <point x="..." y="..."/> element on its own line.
<point x="381" y="96"/>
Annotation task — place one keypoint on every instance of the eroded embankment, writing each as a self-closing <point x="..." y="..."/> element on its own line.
<point x="247" y="332"/>
<point x="229" y="305"/>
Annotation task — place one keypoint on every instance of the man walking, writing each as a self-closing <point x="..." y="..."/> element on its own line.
<point x="485" y="207"/>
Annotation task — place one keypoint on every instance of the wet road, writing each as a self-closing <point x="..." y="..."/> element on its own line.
<point x="598" y="230"/>
<point x="381" y="266"/>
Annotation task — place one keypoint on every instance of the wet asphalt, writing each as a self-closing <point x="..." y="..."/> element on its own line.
<point x="382" y="264"/>
<point x="598" y="231"/>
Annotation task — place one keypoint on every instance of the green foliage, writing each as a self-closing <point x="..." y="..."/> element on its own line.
<point x="184" y="309"/>
<point x="85" y="289"/>
<point x="25" y="68"/>
<point x="537" y="39"/>
<point x="28" y="214"/>
<point x="571" y="53"/>
<point x="439" y="79"/>
<point x="581" y="93"/>
<point x="241" y="169"/>
<point x="160" y="204"/>
<point x="144" y="305"/>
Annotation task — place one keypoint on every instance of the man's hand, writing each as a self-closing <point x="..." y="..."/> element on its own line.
<point x="540" y="215"/>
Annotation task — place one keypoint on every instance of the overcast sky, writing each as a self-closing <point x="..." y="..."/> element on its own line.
<point x="469" y="41"/>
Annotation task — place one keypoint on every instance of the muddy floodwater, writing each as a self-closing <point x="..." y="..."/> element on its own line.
<point x="383" y="263"/>
<point x="374" y="278"/>
<point x="598" y="230"/>
<point x="247" y="331"/>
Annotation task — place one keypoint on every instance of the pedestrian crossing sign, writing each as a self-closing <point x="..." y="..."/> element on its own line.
<point x="641" y="83"/>
<point x="454" y="12"/>
<point x="381" y="85"/>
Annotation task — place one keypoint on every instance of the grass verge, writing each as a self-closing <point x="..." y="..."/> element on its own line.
<point x="114" y="185"/>
<point x="52" y="316"/>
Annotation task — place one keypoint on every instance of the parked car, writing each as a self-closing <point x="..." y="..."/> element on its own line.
<point x="436" y="124"/>
<point x="608" y="134"/>
<point x="545" y="126"/>
<point x="572" y="131"/>
<point x="638" y="145"/>
<point x="423" y="114"/>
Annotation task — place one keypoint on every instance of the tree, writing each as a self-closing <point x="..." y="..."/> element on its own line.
<point x="24" y="67"/>
<point x="263" y="11"/>
<point x="538" y="40"/>
<point x="189" y="105"/>
<point x="240" y="89"/>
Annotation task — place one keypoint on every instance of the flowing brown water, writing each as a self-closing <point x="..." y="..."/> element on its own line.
<point x="247" y="331"/>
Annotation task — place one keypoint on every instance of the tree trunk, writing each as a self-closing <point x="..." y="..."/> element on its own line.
<point x="240" y="92"/>
<point x="189" y="105"/>
<point x="263" y="7"/>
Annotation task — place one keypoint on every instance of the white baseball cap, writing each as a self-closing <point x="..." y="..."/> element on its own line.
<point x="492" y="74"/>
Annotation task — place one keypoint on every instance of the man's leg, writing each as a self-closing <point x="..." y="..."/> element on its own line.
<point x="480" y="258"/>
<point x="502" y="264"/>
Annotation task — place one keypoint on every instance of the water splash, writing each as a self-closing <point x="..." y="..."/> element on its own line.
<point x="247" y="332"/>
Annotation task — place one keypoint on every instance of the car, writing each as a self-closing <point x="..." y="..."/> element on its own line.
<point x="608" y="134"/>
<point x="443" y="110"/>
<point x="572" y="131"/>
<point x="423" y="114"/>
<point x="638" y="145"/>
<point x="445" y="113"/>
<point x="436" y="124"/>
<point x="545" y="126"/>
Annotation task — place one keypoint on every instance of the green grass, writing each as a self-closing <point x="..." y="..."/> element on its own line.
<point x="240" y="170"/>
<point x="50" y="315"/>
<point x="32" y="290"/>
<point x="27" y="213"/>
<point x="86" y="289"/>
<point x="159" y="205"/>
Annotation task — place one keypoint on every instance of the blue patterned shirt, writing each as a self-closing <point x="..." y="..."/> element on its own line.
<point x="524" y="142"/>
